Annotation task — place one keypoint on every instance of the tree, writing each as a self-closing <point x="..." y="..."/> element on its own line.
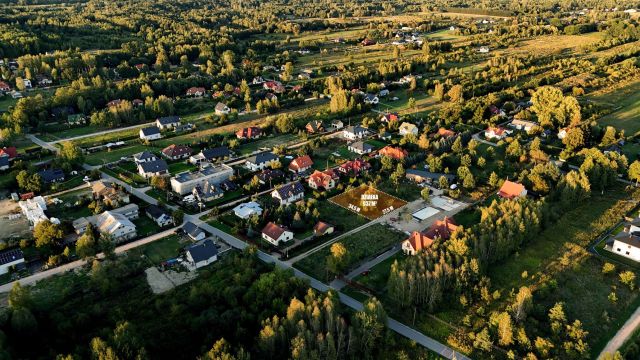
<point x="634" y="171"/>
<point x="522" y="304"/>
<point x="71" y="152"/>
<point x="628" y="278"/>
<point x="29" y="182"/>
<point x="178" y="216"/>
<point x="424" y="193"/>
<point x="555" y="109"/>
<point x="86" y="244"/>
<point x="455" y="94"/>
<point x="557" y="318"/>
<point x="338" y="260"/>
<point x="609" y="136"/>
<point x="370" y="322"/>
<point x="574" y="138"/>
<point x="505" y="330"/>
<point x="438" y="92"/>
<point x="19" y="296"/>
<point x="159" y="182"/>
<point x="47" y="233"/>
<point x="608" y="268"/>
<point x="412" y="103"/>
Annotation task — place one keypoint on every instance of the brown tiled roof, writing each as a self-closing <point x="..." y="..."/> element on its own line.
<point x="301" y="163"/>
<point x="273" y="230"/>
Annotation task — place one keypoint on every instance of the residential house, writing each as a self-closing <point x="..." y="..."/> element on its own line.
<point x="43" y="81"/>
<point x="496" y="133"/>
<point x="222" y="109"/>
<point x="354" y="132"/>
<point x="360" y="147"/>
<point x="137" y="102"/>
<point x="202" y="253"/>
<point x="371" y="99"/>
<point x="395" y="153"/>
<point x="512" y="190"/>
<point x="483" y="49"/>
<point x="115" y="102"/>
<point x="159" y="215"/>
<point x="522" y="125"/>
<point x="439" y="230"/>
<point x="184" y="128"/>
<point x="562" y="133"/>
<point x="354" y="167"/>
<point x="275" y="234"/>
<point x="407" y="129"/>
<point x="4" y="163"/>
<point x="185" y="182"/>
<point x="368" y="42"/>
<point x="288" y="193"/>
<point x="9" y="259"/>
<point x="627" y="242"/>
<point x="246" y="210"/>
<point x="322" y="228"/>
<point x="196" y="91"/>
<point x="301" y="164"/>
<point x="144" y="156"/>
<point x="445" y="133"/>
<point x="389" y="117"/>
<point x="148" y="169"/>
<point x="108" y="219"/>
<point x="150" y="133"/>
<point x="33" y="208"/>
<point x="109" y="194"/>
<point x="208" y="191"/>
<point x="210" y="155"/>
<point x="9" y="152"/>
<point x="4" y="87"/>
<point x="116" y="225"/>
<point x="383" y="93"/>
<point x="51" y="176"/>
<point x="27" y="83"/>
<point x="421" y="176"/>
<point x="167" y="122"/>
<point x="257" y="80"/>
<point x="323" y="179"/>
<point x="176" y="152"/>
<point x="267" y="176"/>
<point x="76" y="119"/>
<point x="252" y="132"/>
<point x="314" y="127"/>
<point x="274" y="86"/>
<point x="337" y="124"/>
<point x="193" y="231"/>
<point x="261" y="161"/>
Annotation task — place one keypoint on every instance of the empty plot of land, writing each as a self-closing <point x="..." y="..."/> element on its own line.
<point x="368" y="202"/>
<point x="626" y="115"/>
<point x="554" y="44"/>
<point x="160" y="282"/>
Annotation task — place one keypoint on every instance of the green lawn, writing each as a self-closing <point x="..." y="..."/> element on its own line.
<point x="145" y="226"/>
<point x="181" y="166"/>
<point x="340" y="217"/>
<point x="626" y="102"/>
<point x="556" y="261"/>
<point x="160" y="250"/>
<point x="105" y="157"/>
<point x="362" y="245"/>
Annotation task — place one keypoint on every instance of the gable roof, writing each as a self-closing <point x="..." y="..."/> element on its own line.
<point x="168" y="120"/>
<point x="4" y="161"/>
<point x="269" y="174"/>
<point x="155" y="211"/>
<point x="445" y="132"/>
<point x="262" y="157"/>
<point x="192" y="229"/>
<point x="202" y="250"/>
<point x="216" y="152"/>
<point x="321" y="227"/>
<point x="322" y="178"/>
<point x="110" y="221"/>
<point x="510" y="189"/>
<point x="407" y="126"/>
<point x="390" y="117"/>
<point x="145" y="155"/>
<point x="151" y="130"/>
<point x="355" y="129"/>
<point x="221" y="107"/>
<point x="290" y="190"/>
<point x="273" y="230"/>
<point x="176" y="150"/>
<point x="249" y="132"/>
<point x="50" y="175"/>
<point x="301" y="162"/>
<point x="154" y="166"/>
<point x="362" y="146"/>
<point x="441" y="229"/>
<point x="194" y="90"/>
<point x="9" y="151"/>
<point x="393" y="152"/>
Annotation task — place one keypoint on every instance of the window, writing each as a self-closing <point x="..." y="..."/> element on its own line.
<point x="627" y="253"/>
<point x="618" y="249"/>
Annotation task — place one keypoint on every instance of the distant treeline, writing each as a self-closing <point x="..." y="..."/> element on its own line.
<point x="475" y="11"/>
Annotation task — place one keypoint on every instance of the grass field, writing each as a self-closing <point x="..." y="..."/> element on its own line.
<point x="558" y="259"/>
<point x="163" y="249"/>
<point x="364" y="244"/>
<point x="556" y="44"/>
<point x="626" y="115"/>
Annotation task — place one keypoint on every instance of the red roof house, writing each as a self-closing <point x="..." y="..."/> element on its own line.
<point x="252" y="132"/>
<point x="323" y="179"/>
<point x="393" y="152"/>
<point x="9" y="151"/>
<point x="441" y="229"/>
<point x="301" y="164"/>
<point x="512" y="190"/>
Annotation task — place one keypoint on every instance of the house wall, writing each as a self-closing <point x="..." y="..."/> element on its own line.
<point x="5" y="268"/>
<point x="625" y="250"/>
<point x="407" y="248"/>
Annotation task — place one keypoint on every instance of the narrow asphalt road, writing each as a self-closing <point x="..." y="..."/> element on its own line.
<point x="339" y="284"/>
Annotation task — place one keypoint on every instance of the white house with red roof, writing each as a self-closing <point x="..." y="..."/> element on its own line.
<point x="496" y="133"/>
<point x="275" y="234"/>
<point x="301" y="164"/>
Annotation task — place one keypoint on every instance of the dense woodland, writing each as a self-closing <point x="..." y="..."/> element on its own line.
<point x="150" y="52"/>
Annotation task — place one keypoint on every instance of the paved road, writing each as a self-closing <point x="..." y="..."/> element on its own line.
<point x="44" y="144"/>
<point x="98" y="133"/>
<point x="394" y="325"/>
<point x="623" y="334"/>
<point x="32" y="279"/>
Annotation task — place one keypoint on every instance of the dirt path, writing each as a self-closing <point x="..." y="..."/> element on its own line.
<point x="623" y="334"/>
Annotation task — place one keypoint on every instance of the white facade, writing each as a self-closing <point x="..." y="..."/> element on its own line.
<point x="623" y="249"/>
<point x="150" y="137"/>
<point x="285" y="236"/>
<point x="184" y="183"/>
<point x="407" y="128"/>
